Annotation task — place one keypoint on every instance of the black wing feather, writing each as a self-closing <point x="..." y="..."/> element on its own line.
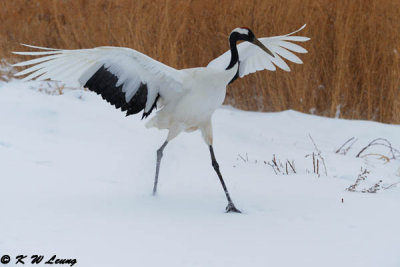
<point x="103" y="82"/>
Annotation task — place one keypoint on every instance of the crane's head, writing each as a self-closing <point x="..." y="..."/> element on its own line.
<point x="245" y="34"/>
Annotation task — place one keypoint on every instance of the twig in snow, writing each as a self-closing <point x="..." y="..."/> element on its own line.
<point x="381" y="142"/>
<point x="344" y="149"/>
<point x="291" y="166"/>
<point x="361" y="177"/>
<point x="279" y="168"/>
<point x="383" y="157"/>
<point x="390" y="186"/>
<point x="273" y="167"/>
<point x="317" y="157"/>
<point x="244" y="159"/>
<point x="373" y="189"/>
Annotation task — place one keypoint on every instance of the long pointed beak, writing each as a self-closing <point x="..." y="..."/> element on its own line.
<point x="260" y="45"/>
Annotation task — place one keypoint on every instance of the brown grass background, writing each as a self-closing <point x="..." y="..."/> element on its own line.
<point x="353" y="60"/>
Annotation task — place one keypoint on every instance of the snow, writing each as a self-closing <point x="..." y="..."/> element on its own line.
<point x="76" y="179"/>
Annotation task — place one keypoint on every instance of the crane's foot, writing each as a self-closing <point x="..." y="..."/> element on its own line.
<point x="232" y="208"/>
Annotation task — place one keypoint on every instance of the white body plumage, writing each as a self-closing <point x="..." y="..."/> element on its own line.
<point x="204" y="90"/>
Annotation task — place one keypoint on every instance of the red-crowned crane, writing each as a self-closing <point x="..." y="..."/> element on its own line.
<point x="132" y="81"/>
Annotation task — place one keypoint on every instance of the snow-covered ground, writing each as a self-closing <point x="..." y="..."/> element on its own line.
<point x="76" y="177"/>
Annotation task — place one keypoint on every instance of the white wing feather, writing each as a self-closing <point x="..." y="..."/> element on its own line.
<point x="133" y="68"/>
<point x="252" y="58"/>
<point x="130" y="66"/>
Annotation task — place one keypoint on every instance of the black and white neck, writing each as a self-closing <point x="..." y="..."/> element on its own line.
<point x="234" y="52"/>
<point x="238" y="34"/>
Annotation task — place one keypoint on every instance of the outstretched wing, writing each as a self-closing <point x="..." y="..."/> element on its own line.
<point x="127" y="79"/>
<point x="252" y="58"/>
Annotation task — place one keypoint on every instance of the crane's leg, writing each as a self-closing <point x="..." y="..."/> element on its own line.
<point x="159" y="156"/>
<point x="231" y="207"/>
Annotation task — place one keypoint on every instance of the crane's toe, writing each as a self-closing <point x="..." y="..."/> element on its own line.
<point x="232" y="208"/>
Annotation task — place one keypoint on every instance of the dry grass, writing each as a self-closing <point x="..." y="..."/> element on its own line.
<point x="353" y="58"/>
